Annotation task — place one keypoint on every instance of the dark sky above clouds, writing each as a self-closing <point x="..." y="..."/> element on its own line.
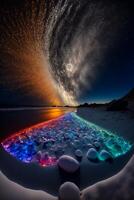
<point x="65" y="52"/>
<point x="118" y="77"/>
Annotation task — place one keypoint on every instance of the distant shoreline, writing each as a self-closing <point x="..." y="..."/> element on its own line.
<point x="31" y="108"/>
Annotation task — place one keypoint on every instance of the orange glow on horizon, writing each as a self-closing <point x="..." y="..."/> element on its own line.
<point x="55" y="112"/>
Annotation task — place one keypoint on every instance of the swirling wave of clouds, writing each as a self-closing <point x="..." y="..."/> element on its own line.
<point x="79" y="35"/>
<point x="59" y="44"/>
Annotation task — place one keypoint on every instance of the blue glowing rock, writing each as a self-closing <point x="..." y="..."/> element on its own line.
<point x="110" y="143"/>
<point x="89" y="146"/>
<point x="97" y="145"/>
<point x="104" y="155"/>
<point x="76" y="143"/>
<point x="86" y="139"/>
<point x="117" y="147"/>
<point x="68" y="164"/>
<point x="92" y="154"/>
<point x="58" y="150"/>
<point x="78" y="153"/>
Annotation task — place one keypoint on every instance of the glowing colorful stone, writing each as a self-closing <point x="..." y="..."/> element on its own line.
<point x="44" y="143"/>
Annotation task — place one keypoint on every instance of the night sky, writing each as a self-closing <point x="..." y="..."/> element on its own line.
<point x="118" y="77"/>
<point x="65" y="52"/>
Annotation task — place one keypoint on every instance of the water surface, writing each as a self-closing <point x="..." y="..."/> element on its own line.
<point x="13" y="120"/>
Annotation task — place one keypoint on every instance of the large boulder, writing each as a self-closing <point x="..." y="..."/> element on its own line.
<point x="69" y="191"/>
<point x="68" y="164"/>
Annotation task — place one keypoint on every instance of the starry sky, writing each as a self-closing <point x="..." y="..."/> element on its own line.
<point x="62" y="52"/>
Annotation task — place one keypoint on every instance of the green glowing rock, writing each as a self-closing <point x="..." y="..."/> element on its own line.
<point x="104" y="155"/>
<point x="113" y="144"/>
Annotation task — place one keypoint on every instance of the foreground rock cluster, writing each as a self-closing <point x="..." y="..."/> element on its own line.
<point x="50" y="142"/>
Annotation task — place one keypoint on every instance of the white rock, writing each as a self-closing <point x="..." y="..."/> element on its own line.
<point x="104" y="155"/>
<point x="79" y="153"/>
<point x="92" y="154"/>
<point x="68" y="164"/>
<point x="69" y="191"/>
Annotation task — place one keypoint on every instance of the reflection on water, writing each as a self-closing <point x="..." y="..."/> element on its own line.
<point x="54" y="113"/>
<point x="16" y="119"/>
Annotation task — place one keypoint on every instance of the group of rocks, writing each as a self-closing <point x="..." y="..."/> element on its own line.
<point x="71" y="165"/>
<point x="68" y="135"/>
